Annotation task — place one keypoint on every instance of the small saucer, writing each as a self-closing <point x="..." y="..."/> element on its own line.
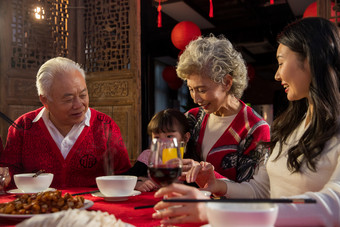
<point x="206" y="193"/>
<point x="17" y="191"/>
<point x="115" y="198"/>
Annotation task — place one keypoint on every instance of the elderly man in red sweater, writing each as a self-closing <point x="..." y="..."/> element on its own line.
<point x="65" y="137"/>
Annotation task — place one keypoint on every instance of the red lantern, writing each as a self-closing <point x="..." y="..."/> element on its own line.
<point x="170" y="76"/>
<point x="176" y="85"/>
<point x="169" y="73"/>
<point x="311" y="11"/>
<point x="251" y="72"/>
<point x="183" y="33"/>
<point x="180" y="53"/>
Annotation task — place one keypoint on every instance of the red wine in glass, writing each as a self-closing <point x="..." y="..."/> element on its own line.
<point x="164" y="175"/>
<point x="165" y="164"/>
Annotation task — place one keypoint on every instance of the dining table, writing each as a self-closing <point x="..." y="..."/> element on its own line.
<point x="123" y="210"/>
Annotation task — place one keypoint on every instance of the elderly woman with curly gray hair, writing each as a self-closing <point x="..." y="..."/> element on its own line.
<point x="225" y="130"/>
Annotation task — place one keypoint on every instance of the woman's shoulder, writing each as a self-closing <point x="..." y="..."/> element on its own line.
<point x="252" y="117"/>
<point x="193" y="111"/>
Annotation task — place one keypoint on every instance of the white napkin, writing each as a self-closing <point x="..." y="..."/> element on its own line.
<point x="74" y="218"/>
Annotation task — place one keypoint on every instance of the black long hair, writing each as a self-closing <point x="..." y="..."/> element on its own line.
<point x="318" y="41"/>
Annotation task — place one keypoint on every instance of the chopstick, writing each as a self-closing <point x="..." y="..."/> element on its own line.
<point x="143" y="207"/>
<point x="84" y="193"/>
<point x="295" y="201"/>
<point x="38" y="173"/>
<point x="10" y="121"/>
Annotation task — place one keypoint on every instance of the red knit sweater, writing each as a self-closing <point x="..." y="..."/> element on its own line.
<point x="235" y="154"/>
<point x="30" y="148"/>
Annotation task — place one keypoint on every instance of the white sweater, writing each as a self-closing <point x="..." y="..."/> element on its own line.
<point x="274" y="180"/>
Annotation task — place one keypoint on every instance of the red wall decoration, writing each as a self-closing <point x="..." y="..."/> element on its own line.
<point x="183" y="33"/>
<point x="170" y="76"/>
<point x="311" y="11"/>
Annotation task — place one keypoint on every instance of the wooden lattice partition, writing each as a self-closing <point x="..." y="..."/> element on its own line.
<point x="101" y="35"/>
<point x="107" y="35"/>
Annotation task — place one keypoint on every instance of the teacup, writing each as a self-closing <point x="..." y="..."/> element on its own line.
<point x="241" y="214"/>
<point x="119" y="185"/>
<point x="29" y="184"/>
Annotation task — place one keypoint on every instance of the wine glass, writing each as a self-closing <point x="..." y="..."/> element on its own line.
<point x="165" y="161"/>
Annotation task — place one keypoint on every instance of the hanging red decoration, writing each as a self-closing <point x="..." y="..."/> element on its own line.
<point x="312" y="9"/>
<point x="159" y="9"/>
<point x="272" y="2"/>
<point x="170" y="76"/>
<point x="211" y="11"/>
<point x="183" y="33"/>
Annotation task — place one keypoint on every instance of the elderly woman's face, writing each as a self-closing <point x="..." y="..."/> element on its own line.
<point x="206" y="93"/>
<point x="69" y="100"/>
<point x="295" y="76"/>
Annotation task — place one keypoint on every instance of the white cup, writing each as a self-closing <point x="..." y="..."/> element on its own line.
<point x="241" y="214"/>
<point x="118" y="185"/>
<point x="29" y="184"/>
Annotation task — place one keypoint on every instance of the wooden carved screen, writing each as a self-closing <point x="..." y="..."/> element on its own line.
<point x="112" y="60"/>
<point x="103" y="36"/>
<point x="32" y="31"/>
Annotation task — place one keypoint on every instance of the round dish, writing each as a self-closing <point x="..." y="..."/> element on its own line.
<point x="17" y="191"/>
<point x="115" y="198"/>
<point x="87" y="204"/>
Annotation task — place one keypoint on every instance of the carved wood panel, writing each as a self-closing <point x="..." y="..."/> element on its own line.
<point x="102" y="35"/>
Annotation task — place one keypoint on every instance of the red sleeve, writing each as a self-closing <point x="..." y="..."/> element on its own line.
<point x="1" y="146"/>
<point x="11" y="155"/>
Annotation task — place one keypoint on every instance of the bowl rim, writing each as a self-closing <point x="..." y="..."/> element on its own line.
<point x="31" y="174"/>
<point x="269" y="207"/>
<point x="117" y="177"/>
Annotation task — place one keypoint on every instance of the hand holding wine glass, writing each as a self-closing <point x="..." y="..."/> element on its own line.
<point x="165" y="164"/>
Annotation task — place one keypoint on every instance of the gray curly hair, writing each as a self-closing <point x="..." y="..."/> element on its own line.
<point x="214" y="57"/>
<point x="51" y="69"/>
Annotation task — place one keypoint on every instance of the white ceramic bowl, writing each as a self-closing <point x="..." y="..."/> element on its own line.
<point x="118" y="185"/>
<point x="241" y="214"/>
<point x="29" y="184"/>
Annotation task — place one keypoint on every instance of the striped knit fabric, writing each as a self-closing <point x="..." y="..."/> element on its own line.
<point x="235" y="155"/>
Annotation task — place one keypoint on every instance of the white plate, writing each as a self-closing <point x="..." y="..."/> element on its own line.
<point x="116" y="198"/>
<point x="87" y="204"/>
<point x="17" y="191"/>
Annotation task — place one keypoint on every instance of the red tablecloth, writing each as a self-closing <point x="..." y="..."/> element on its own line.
<point x="123" y="210"/>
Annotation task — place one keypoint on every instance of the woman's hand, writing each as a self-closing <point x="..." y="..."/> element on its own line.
<point x="175" y="213"/>
<point x="204" y="176"/>
<point x="187" y="165"/>
<point x="144" y="184"/>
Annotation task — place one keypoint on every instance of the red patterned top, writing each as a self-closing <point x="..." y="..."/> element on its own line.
<point x="235" y="154"/>
<point x="30" y="148"/>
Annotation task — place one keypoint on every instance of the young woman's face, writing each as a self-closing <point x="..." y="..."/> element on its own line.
<point x="295" y="75"/>
<point x="206" y="93"/>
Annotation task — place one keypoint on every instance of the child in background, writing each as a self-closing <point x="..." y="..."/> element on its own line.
<point x="169" y="123"/>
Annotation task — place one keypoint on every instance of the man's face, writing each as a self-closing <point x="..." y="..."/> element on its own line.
<point x="68" y="100"/>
